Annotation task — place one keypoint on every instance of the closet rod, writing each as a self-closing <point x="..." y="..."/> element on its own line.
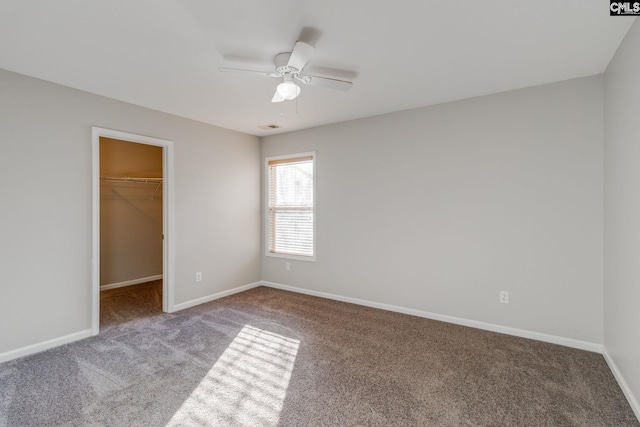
<point x="132" y="179"/>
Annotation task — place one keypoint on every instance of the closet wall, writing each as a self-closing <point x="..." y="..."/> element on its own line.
<point x="130" y="213"/>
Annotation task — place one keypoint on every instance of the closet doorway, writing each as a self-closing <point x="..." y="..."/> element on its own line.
<point x="132" y="217"/>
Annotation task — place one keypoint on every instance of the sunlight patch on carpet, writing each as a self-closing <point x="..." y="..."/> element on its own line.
<point x="247" y="385"/>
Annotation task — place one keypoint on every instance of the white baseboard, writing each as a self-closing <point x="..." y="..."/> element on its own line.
<point x="42" y="346"/>
<point x="130" y="282"/>
<point x="633" y="402"/>
<point x="554" y="339"/>
<point x="208" y="298"/>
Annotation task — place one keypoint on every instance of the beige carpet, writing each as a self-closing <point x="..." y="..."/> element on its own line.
<point x="269" y="357"/>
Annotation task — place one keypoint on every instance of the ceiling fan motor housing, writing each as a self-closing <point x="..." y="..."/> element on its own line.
<point x="282" y="68"/>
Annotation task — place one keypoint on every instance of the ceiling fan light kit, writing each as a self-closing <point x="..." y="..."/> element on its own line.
<point x="289" y="67"/>
<point x="288" y="90"/>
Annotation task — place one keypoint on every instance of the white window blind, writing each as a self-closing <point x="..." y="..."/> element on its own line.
<point x="291" y="200"/>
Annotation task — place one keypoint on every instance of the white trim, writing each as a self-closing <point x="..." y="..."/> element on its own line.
<point x="45" y="345"/>
<point x="290" y="257"/>
<point x="167" y="217"/>
<point x="633" y="402"/>
<point x="130" y="282"/>
<point x="168" y="225"/>
<point x="95" y="231"/>
<point x="215" y="296"/>
<point x="554" y="339"/>
<point x="268" y="253"/>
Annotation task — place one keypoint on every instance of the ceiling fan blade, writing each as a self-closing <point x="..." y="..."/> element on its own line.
<point x="277" y="97"/>
<point x="238" y="70"/>
<point x="300" y="55"/>
<point x="326" y="82"/>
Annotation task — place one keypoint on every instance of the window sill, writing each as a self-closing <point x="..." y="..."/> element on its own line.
<point x="292" y="257"/>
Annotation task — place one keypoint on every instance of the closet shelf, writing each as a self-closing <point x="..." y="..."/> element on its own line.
<point x="144" y="180"/>
<point x="137" y="180"/>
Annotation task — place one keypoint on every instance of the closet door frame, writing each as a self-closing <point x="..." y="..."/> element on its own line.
<point x="168" y="255"/>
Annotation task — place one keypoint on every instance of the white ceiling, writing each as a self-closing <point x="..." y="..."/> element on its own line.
<point x="165" y="54"/>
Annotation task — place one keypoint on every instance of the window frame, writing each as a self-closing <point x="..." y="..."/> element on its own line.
<point x="267" y="252"/>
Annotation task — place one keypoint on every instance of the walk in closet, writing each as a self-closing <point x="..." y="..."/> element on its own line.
<point x="130" y="227"/>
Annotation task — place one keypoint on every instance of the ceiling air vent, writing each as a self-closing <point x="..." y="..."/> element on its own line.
<point x="269" y="127"/>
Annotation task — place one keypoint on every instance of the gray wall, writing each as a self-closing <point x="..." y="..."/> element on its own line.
<point x="440" y="208"/>
<point x="45" y="213"/>
<point x="622" y="209"/>
<point x="130" y="212"/>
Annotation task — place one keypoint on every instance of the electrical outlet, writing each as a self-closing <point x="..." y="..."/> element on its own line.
<point x="199" y="276"/>
<point x="287" y="266"/>
<point x="504" y="297"/>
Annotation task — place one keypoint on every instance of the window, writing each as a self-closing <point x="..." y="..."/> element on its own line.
<point x="290" y="206"/>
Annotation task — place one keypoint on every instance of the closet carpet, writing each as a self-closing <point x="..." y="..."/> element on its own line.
<point x="120" y="306"/>
<point x="266" y="357"/>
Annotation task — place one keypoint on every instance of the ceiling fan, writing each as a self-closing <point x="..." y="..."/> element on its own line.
<point x="289" y="67"/>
